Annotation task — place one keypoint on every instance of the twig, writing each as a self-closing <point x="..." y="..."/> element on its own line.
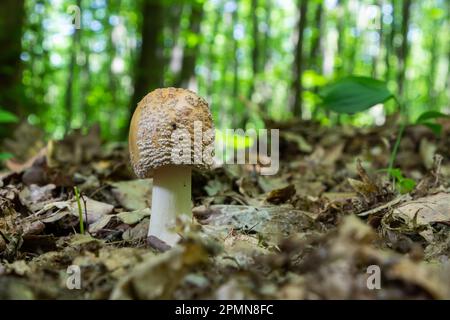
<point x="397" y="200"/>
<point x="80" y="213"/>
<point x="85" y="211"/>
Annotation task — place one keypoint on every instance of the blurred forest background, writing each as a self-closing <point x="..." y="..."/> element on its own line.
<point x="252" y="59"/>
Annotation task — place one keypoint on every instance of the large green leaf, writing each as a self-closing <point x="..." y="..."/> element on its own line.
<point x="7" y="117"/>
<point x="427" y="118"/>
<point x="429" y="115"/>
<point x="354" y="94"/>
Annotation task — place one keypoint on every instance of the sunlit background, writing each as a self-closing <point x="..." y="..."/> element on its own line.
<point x="242" y="54"/>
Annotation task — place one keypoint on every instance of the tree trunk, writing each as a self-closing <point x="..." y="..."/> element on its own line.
<point x="175" y="14"/>
<point x="150" y="65"/>
<point x="447" y="81"/>
<point x="434" y="51"/>
<point x="340" y="28"/>
<point x="266" y="50"/>
<point x="190" y="51"/>
<point x="235" y="89"/>
<point x="211" y="52"/>
<point x="36" y="90"/>
<point x="297" y="89"/>
<point x="378" y="57"/>
<point x="68" y="97"/>
<point x="404" y="47"/>
<point x="12" y="13"/>
<point x="390" y="43"/>
<point x="265" y="57"/>
<point x="315" y="57"/>
<point x="255" y="48"/>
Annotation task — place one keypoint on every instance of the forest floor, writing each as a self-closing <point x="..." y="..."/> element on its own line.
<point x="322" y="228"/>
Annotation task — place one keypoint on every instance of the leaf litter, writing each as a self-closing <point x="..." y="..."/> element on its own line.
<point x="310" y="232"/>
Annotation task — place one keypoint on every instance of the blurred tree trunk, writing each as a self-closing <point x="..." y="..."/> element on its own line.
<point x="447" y="81"/>
<point x="376" y="58"/>
<point x="315" y="57"/>
<point x="266" y="52"/>
<point x="68" y="97"/>
<point x="340" y="28"/>
<point x="352" y="49"/>
<point x="404" y="47"/>
<point x="434" y="60"/>
<point x="256" y="50"/>
<point x="172" y="54"/>
<point x="37" y="59"/>
<point x="297" y="87"/>
<point x="190" y="51"/>
<point x="12" y="14"/>
<point x="111" y="49"/>
<point x="315" y="54"/>
<point x="223" y="87"/>
<point x="150" y="65"/>
<point x="176" y="10"/>
<point x="390" y="43"/>
<point x="175" y="13"/>
<point x="211" y="52"/>
<point x="238" y="123"/>
<point x="86" y="88"/>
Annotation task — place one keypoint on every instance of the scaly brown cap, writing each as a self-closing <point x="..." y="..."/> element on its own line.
<point x="158" y="117"/>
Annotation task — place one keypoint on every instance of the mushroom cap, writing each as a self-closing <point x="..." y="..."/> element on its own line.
<point x="159" y="117"/>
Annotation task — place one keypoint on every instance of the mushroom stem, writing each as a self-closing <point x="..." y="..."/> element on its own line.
<point x="171" y="197"/>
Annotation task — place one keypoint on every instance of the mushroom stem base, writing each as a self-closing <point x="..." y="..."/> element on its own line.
<point x="171" y="198"/>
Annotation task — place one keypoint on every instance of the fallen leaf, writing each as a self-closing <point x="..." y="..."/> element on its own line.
<point x="282" y="195"/>
<point x="158" y="276"/>
<point x="133" y="195"/>
<point x="134" y="217"/>
<point x="418" y="215"/>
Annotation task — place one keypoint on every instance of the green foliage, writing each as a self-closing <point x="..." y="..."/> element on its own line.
<point x="427" y="119"/>
<point x="234" y="140"/>
<point x="5" y="156"/>
<point x="110" y="39"/>
<point x="354" y="94"/>
<point x="7" y="117"/>
<point x="404" y="185"/>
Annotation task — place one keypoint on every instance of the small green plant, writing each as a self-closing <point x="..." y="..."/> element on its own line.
<point x="80" y="212"/>
<point x="354" y="94"/>
<point x="404" y="185"/>
<point x="7" y="117"/>
<point x="428" y="118"/>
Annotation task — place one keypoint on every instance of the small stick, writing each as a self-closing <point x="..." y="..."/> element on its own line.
<point x="85" y="211"/>
<point x="80" y="214"/>
<point x="385" y="206"/>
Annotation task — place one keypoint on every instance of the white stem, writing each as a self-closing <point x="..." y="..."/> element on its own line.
<point x="171" y="197"/>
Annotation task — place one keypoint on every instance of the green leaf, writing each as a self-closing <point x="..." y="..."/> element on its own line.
<point x="427" y="115"/>
<point x="425" y="118"/>
<point x="7" y="117"/>
<point x="406" y="185"/>
<point x="396" y="173"/>
<point x="354" y="94"/>
<point x="436" y="128"/>
<point x="5" y="156"/>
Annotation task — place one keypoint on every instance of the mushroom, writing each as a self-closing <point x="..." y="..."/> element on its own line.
<point x="171" y="132"/>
